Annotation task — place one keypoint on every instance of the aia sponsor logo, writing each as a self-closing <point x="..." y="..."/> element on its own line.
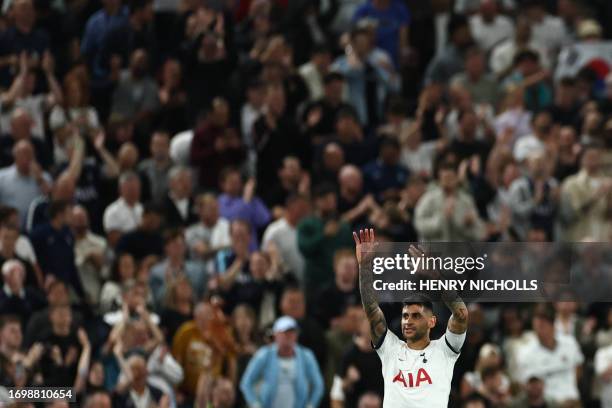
<point x="409" y="380"/>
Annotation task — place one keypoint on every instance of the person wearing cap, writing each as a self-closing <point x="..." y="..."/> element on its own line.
<point x="555" y="358"/>
<point x="289" y="373"/>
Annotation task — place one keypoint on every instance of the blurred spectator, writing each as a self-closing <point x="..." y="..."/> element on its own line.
<point x="529" y="74"/>
<point x="321" y="113"/>
<point x="177" y="308"/>
<point x="125" y="214"/>
<point x="135" y="97"/>
<point x="215" y="145"/>
<point x="292" y="180"/>
<point x="370" y="76"/>
<point x="283" y="234"/>
<point x="392" y="21"/>
<point x="502" y="57"/>
<point x="173" y="266"/>
<point x="54" y="245"/>
<point x="314" y="71"/>
<point x="450" y="60"/>
<point x="238" y="201"/>
<point x="551" y="350"/>
<point x="204" y="345"/>
<point x="351" y="382"/>
<point x="8" y="238"/>
<point x="122" y="272"/>
<point x="17" y="298"/>
<point x="279" y="366"/>
<point x="24" y="181"/>
<point x="386" y="176"/>
<point x="319" y="236"/>
<point x="549" y="32"/>
<point x="146" y="240"/>
<point x="178" y="202"/>
<point x="483" y="88"/>
<point x="370" y="400"/>
<point x="534" y="143"/>
<point x="276" y="136"/>
<point x="534" y="198"/>
<point x="585" y="200"/>
<point x="156" y="168"/>
<point x="342" y="293"/>
<point x="489" y="27"/>
<point x="446" y="213"/>
<point x="211" y="234"/>
<point x="90" y="251"/>
<point x="488" y="378"/>
<point x="603" y="370"/>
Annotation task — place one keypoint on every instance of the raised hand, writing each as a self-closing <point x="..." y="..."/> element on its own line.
<point x="365" y="243"/>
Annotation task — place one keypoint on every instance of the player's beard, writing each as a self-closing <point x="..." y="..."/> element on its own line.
<point x="418" y="334"/>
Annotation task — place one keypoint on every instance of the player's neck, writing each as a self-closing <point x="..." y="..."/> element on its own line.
<point x="418" y="344"/>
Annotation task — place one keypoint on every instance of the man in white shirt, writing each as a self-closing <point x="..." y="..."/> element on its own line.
<point x="125" y="213"/>
<point x="603" y="370"/>
<point x="555" y="358"/>
<point x="488" y="27"/>
<point x="417" y="371"/>
<point x="283" y="234"/>
<point x="205" y="238"/>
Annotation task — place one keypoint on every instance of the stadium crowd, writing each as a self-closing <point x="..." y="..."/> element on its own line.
<point x="180" y="178"/>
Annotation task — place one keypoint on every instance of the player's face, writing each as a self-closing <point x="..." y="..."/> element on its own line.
<point x="416" y="322"/>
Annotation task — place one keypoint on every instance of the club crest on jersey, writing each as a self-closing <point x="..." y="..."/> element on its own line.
<point x="409" y="381"/>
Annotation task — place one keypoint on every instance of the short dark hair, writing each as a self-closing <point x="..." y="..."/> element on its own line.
<point x="227" y="171"/>
<point x="526" y="55"/>
<point x="332" y="76"/>
<point x="456" y="22"/>
<point x="488" y="372"/>
<point x="545" y="311"/>
<point x="323" y="189"/>
<point x="172" y="234"/>
<point x="151" y="207"/>
<point x="295" y="197"/>
<point x="418" y="299"/>
<point x="57" y="207"/>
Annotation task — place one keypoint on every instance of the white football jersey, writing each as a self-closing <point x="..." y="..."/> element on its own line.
<point x="416" y="378"/>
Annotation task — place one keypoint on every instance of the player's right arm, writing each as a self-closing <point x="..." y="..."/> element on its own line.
<point x="364" y="247"/>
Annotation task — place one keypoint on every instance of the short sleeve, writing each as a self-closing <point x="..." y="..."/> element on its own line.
<point x="388" y="343"/>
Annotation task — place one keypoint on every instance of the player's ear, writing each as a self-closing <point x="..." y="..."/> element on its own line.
<point x="432" y="322"/>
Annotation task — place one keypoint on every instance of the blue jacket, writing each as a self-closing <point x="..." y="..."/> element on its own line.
<point x="264" y="367"/>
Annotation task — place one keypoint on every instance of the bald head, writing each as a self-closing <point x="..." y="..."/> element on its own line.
<point x="333" y="157"/>
<point x="350" y="177"/>
<point x="202" y="315"/>
<point x="63" y="188"/>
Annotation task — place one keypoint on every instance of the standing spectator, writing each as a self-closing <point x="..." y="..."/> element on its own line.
<point x="17" y="298"/>
<point x="24" y="181"/>
<point x="177" y="308"/>
<point x="290" y="374"/>
<point x="370" y="76"/>
<point x="172" y="98"/>
<point x="211" y="234"/>
<point x="447" y="213"/>
<point x="319" y="236"/>
<point x="334" y="299"/>
<point x="450" y="60"/>
<point x="320" y="115"/>
<point x="135" y="390"/>
<point x="135" y="97"/>
<point x="123" y="271"/>
<point x="155" y="169"/>
<point x="146" y="240"/>
<point x="315" y="70"/>
<point x="124" y="214"/>
<point x="90" y="251"/>
<point x="549" y="32"/>
<point x="534" y="198"/>
<point x="483" y="88"/>
<point x="282" y="233"/>
<point x="488" y="27"/>
<point x="502" y="56"/>
<point x="392" y="26"/>
<point x="603" y="370"/>
<point x="529" y="74"/>
<point x="20" y="37"/>
<point x="238" y="202"/>
<point x="204" y="346"/>
<point x="292" y="180"/>
<point x="585" y="200"/>
<point x="178" y="203"/>
<point x="276" y="136"/>
<point x="537" y="358"/>
<point x="54" y="246"/>
<point x="173" y="266"/>
<point x="215" y="145"/>
<point x="385" y="176"/>
<point x="8" y="238"/>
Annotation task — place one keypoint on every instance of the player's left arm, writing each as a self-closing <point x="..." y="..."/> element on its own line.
<point x="458" y="322"/>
